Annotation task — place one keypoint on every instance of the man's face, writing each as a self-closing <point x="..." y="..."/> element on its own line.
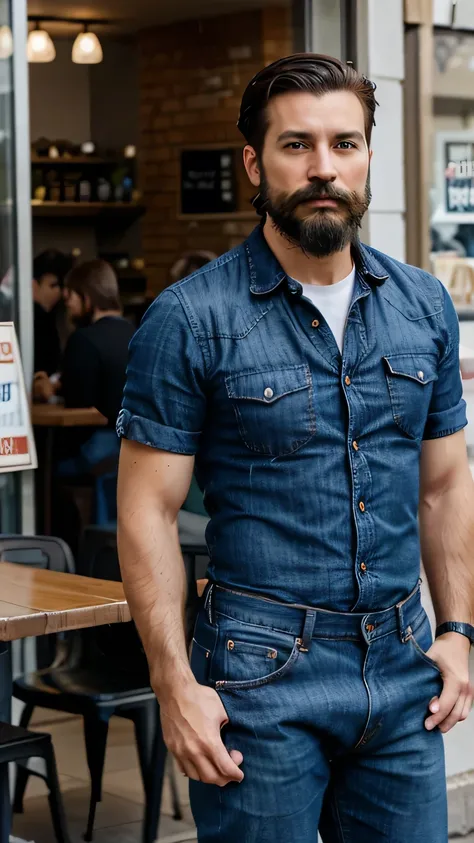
<point x="47" y="291"/>
<point x="314" y="169"/>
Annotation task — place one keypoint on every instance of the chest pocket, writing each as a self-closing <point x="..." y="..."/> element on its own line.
<point x="410" y="380"/>
<point x="274" y="408"/>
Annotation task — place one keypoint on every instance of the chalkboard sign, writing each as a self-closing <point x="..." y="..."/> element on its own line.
<point x="208" y="183"/>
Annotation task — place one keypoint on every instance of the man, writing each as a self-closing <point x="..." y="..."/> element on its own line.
<point x="48" y="270"/>
<point x="316" y="383"/>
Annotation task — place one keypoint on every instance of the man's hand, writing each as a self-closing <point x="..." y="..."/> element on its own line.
<point x="191" y="721"/>
<point x="451" y="654"/>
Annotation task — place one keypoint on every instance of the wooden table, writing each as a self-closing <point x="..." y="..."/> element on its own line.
<point x="35" y="602"/>
<point x="55" y="415"/>
<point x="52" y="416"/>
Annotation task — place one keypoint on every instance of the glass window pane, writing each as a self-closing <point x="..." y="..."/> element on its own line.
<point x="9" y="484"/>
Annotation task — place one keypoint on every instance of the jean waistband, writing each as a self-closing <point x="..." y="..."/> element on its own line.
<point x="308" y="622"/>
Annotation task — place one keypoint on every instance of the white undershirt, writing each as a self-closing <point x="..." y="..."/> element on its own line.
<point x="333" y="301"/>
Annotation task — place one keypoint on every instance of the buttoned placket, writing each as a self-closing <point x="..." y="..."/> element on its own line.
<point x="345" y="365"/>
<point x="360" y="473"/>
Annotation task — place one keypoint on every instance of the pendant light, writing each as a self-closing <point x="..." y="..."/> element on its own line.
<point x="6" y="42"/>
<point x="87" y="48"/>
<point x="40" y="47"/>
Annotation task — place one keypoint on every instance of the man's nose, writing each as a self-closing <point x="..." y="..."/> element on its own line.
<point x="321" y="166"/>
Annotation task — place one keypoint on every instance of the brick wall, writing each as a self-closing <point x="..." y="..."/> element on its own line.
<point x="192" y="75"/>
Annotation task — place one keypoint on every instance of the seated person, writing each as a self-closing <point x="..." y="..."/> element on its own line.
<point x="95" y="360"/>
<point x="48" y="273"/>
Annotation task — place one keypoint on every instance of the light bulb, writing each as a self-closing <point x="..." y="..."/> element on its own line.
<point x="6" y="42"/>
<point x="87" y="49"/>
<point x="40" y="47"/>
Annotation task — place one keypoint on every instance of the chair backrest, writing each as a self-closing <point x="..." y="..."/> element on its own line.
<point x="46" y="553"/>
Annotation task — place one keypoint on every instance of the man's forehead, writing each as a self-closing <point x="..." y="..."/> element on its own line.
<point x="335" y="108"/>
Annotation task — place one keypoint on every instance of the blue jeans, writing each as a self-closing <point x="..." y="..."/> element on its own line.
<point x="328" y="711"/>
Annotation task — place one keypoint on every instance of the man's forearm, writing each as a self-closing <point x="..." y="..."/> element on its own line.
<point x="155" y="586"/>
<point x="447" y="543"/>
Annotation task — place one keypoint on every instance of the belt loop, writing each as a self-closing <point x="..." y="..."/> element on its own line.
<point x="209" y="604"/>
<point x="404" y="633"/>
<point x="304" y="642"/>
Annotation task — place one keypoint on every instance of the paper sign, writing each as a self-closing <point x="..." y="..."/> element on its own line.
<point x="17" y="445"/>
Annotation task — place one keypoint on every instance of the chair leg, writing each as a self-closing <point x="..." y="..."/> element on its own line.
<point x="95" y="732"/>
<point x="171" y="771"/>
<point x="155" y="789"/>
<point x="22" y="773"/>
<point x="55" y="799"/>
<point x="144" y="720"/>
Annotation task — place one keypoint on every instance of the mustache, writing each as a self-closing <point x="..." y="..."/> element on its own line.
<point x="321" y="190"/>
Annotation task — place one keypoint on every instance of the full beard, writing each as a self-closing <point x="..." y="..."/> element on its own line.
<point x="325" y="230"/>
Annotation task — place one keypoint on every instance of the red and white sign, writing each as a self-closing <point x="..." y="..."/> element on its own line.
<point x="17" y="445"/>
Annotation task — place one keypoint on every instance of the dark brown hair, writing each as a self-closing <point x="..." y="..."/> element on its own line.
<point x="96" y="280"/>
<point x="302" y="72"/>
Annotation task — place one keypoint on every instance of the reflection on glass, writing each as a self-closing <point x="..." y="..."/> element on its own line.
<point x="9" y="502"/>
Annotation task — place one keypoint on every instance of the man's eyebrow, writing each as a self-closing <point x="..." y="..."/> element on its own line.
<point x="339" y="136"/>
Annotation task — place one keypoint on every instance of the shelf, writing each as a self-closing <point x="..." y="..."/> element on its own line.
<point x="127" y="211"/>
<point x="79" y="160"/>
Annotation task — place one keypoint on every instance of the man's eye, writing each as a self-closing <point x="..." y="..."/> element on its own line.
<point x="346" y="145"/>
<point x="295" y="145"/>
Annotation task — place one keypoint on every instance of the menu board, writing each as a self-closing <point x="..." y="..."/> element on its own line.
<point x="208" y="183"/>
<point x="455" y="178"/>
<point x="17" y="446"/>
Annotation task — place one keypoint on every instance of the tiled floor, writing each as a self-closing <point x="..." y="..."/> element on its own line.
<point x="119" y="815"/>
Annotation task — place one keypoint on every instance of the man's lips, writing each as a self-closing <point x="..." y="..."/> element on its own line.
<point x="323" y="203"/>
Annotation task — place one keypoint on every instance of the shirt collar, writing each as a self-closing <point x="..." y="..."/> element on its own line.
<point x="266" y="274"/>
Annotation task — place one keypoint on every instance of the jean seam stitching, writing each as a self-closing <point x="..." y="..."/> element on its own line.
<point x="339" y="821"/>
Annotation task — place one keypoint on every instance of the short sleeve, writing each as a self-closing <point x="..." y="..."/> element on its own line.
<point x="164" y="403"/>
<point x="447" y="413"/>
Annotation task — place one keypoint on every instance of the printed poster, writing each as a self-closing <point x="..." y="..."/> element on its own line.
<point x="17" y="446"/>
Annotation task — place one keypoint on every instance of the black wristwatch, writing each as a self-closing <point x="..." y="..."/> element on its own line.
<point x="454" y="626"/>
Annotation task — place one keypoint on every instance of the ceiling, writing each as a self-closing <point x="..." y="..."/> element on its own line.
<point x="130" y="17"/>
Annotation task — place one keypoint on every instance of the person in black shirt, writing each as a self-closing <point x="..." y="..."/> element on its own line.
<point x="48" y="273"/>
<point x="95" y="359"/>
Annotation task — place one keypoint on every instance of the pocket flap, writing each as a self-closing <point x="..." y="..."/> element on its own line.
<point x="418" y="367"/>
<point x="268" y="385"/>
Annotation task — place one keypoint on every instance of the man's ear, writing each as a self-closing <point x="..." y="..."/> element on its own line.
<point x="251" y="165"/>
<point x="87" y="303"/>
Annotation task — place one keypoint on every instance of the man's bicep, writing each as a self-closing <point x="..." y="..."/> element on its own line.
<point x="444" y="463"/>
<point x="151" y="478"/>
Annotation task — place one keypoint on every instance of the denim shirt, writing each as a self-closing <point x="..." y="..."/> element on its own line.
<point x="308" y="459"/>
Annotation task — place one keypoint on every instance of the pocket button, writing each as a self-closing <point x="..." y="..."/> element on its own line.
<point x="268" y="392"/>
<point x="421" y="375"/>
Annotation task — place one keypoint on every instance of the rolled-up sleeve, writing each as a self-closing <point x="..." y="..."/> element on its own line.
<point x="447" y="413"/>
<point x="164" y="403"/>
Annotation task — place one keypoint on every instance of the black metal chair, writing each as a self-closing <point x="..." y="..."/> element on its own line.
<point x="17" y="744"/>
<point x="103" y="672"/>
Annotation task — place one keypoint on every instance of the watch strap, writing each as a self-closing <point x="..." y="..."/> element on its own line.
<point x="456" y="626"/>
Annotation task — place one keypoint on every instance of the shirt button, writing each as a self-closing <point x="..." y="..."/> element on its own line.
<point x="370" y="627"/>
<point x="268" y="392"/>
<point x="421" y="375"/>
<point x="315" y="323"/>
<point x="362" y="506"/>
<point x="363" y="567"/>
<point x="355" y="446"/>
<point x="347" y="380"/>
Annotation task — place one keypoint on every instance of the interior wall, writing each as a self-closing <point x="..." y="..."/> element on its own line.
<point x="192" y="76"/>
<point x="60" y="97"/>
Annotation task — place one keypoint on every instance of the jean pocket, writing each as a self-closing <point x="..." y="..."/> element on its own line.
<point x="421" y="641"/>
<point x="249" y="656"/>
<point x="202" y="648"/>
<point x="410" y="379"/>
<point x="274" y="408"/>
